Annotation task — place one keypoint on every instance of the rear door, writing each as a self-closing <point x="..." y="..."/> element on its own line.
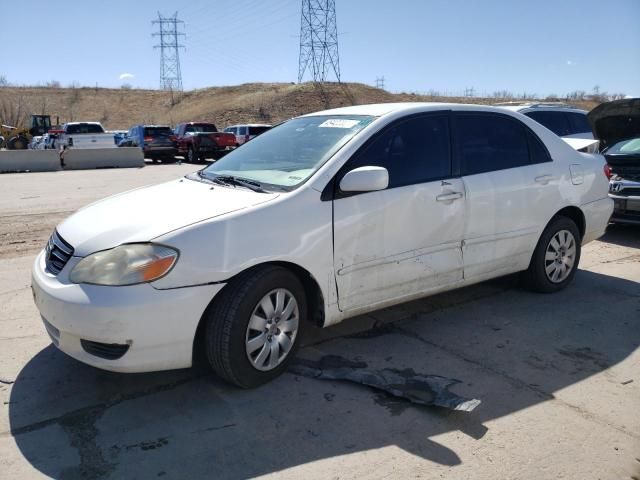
<point x="406" y="239"/>
<point x="512" y="191"/>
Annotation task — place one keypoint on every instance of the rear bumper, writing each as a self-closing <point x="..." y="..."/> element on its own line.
<point x="152" y="152"/>
<point x="597" y="215"/>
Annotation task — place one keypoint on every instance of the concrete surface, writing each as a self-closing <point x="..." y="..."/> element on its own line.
<point x="558" y="376"/>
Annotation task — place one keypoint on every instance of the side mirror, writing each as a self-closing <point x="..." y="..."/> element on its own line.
<point x="365" y="179"/>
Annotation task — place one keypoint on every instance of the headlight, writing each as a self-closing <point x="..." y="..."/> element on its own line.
<point x="125" y="265"/>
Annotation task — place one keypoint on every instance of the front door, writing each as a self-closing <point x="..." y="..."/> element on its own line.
<point x="406" y="239"/>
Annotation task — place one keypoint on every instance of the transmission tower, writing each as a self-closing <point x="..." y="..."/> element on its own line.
<point x="170" y="74"/>
<point x="380" y="82"/>
<point x="318" y="40"/>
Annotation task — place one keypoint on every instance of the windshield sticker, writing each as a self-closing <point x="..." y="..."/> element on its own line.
<point x="339" y="123"/>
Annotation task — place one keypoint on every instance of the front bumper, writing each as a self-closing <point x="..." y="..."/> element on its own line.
<point x="158" y="326"/>
<point x="626" y="201"/>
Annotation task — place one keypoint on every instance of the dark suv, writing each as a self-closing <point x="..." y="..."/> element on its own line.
<point x="157" y="142"/>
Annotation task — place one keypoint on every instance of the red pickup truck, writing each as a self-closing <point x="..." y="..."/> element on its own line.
<point x="200" y="140"/>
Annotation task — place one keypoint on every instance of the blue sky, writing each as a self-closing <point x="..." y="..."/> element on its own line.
<point x="542" y="46"/>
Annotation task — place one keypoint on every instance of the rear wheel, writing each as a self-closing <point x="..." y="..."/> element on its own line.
<point x="556" y="257"/>
<point x="191" y="155"/>
<point x="252" y="331"/>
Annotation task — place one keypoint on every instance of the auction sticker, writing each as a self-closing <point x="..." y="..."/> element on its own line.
<point x="339" y="123"/>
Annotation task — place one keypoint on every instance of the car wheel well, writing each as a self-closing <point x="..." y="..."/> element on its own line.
<point x="315" y="304"/>
<point x="575" y="214"/>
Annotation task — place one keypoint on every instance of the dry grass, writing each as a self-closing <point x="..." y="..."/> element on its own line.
<point x="253" y="102"/>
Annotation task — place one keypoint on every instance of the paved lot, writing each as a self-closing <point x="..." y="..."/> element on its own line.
<point x="558" y="376"/>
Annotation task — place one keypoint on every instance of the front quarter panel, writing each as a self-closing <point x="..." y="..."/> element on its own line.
<point x="295" y="228"/>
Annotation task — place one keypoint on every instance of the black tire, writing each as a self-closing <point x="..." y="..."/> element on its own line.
<point x="535" y="277"/>
<point x="227" y="320"/>
<point x="191" y="155"/>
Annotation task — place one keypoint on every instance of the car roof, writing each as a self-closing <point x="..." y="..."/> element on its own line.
<point x="250" y="125"/>
<point x="380" y="109"/>
<point x="540" y="106"/>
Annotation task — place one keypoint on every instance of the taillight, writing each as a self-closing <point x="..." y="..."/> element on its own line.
<point x="173" y="138"/>
<point x="607" y="170"/>
<point x="148" y="139"/>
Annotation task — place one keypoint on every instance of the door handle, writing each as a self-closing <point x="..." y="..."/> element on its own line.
<point x="447" y="197"/>
<point x="544" y="179"/>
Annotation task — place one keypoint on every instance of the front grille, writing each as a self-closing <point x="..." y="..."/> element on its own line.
<point x="108" y="351"/>
<point x="57" y="253"/>
<point x="629" y="192"/>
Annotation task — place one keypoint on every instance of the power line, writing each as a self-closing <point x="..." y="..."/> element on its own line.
<point x="318" y="40"/>
<point x="380" y="82"/>
<point x="170" y="74"/>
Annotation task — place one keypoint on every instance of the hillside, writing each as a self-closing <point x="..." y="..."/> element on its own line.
<point x="254" y="102"/>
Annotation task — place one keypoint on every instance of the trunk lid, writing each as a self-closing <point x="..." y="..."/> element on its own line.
<point x="615" y="121"/>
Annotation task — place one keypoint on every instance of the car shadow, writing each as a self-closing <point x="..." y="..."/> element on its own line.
<point x="511" y="348"/>
<point x="623" y="235"/>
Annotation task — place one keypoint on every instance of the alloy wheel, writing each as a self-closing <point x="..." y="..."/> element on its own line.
<point x="272" y="329"/>
<point x="560" y="256"/>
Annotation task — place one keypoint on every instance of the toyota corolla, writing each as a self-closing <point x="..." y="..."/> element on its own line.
<point x="324" y="217"/>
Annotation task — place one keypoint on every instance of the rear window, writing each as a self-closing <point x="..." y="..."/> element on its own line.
<point x="579" y="123"/>
<point x="489" y="142"/>
<point x="85" y="128"/>
<point x="201" y="128"/>
<point x="557" y="122"/>
<point x="157" y="131"/>
<point x="257" y="130"/>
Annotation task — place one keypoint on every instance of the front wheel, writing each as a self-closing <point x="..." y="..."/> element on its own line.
<point x="252" y="331"/>
<point x="556" y="257"/>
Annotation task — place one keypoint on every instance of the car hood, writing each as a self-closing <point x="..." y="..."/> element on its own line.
<point x="615" y="121"/>
<point x="146" y="213"/>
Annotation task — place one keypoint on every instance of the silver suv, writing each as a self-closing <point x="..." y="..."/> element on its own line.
<point x="562" y="119"/>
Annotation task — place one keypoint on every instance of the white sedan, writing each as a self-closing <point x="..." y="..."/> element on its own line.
<point x="326" y="216"/>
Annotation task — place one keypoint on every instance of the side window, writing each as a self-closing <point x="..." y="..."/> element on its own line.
<point x="557" y="122"/>
<point x="414" y="151"/>
<point x="242" y="130"/>
<point x="538" y="153"/>
<point x="488" y="142"/>
<point x="579" y="123"/>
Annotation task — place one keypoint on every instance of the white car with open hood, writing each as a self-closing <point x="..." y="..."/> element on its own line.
<point x="324" y="217"/>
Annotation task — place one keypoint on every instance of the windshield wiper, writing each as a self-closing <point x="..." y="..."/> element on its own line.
<point x="242" y="182"/>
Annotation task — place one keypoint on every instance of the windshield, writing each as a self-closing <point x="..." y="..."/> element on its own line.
<point x="626" y="147"/>
<point x="287" y="155"/>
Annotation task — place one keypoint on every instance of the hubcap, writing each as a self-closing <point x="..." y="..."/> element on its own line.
<point x="272" y="329"/>
<point x="560" y="256"/>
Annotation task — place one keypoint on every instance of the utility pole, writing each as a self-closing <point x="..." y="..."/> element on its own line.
<point x="469" y="92"/>
<point x="170" y="74"/>
<point x="318" y="40"/>
<point x="380" y="82"/>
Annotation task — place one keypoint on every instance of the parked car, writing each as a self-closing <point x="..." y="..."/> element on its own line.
<point x="119" y="135"/>
<point x="157" y="142"/>
<point x="35" y="142"/>
<point x="562" y="119"/>
<point x="617" y="126"/>
<point x="244" y="133"/>
<point x="84" y="135"/>
<point x="324" y="217"/>
<point x="200" y="140"/>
